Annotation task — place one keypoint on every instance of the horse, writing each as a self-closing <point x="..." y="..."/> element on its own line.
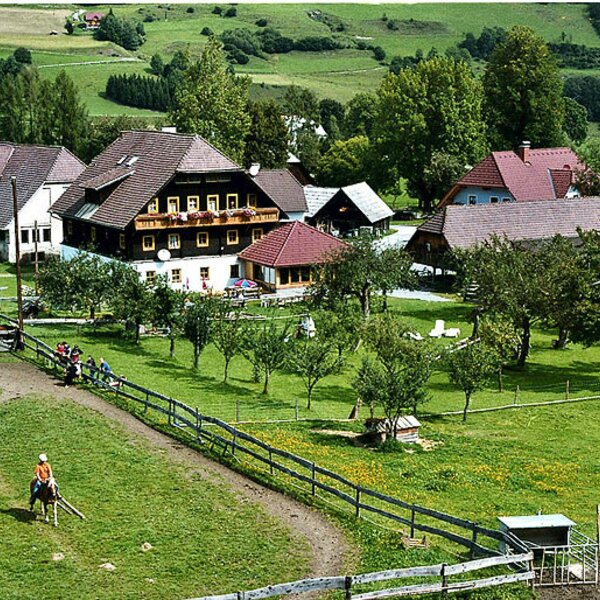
<point x="48" y="496"/>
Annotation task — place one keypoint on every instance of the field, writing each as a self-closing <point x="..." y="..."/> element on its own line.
<point x="132" y="492"/>
<point x="339" y="74"/>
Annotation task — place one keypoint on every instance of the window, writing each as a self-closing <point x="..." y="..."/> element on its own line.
<point x="24" y="236"/>
<point x="176" y="276"/>
<point x="505" y="199"/>
<point x="46" y="234"/>
<point x="153" y="206"/>
<point x="213" y="202"/>
<point x="472" y="199"/>
<point x="150" y="277"/>
<point x="232" y="201"/>
<point x="174" y="241"/>
<point x="93" y="234"/>
<point x="173" y="204"/>
<point x="193" y="202"/>
<point x="251" y="200"/>
<point x="202" y="239"/>
<point x="233" y="237"/>
<point x="148" y="243"/>
<point x="494" y="199"/>
<point x="294" y="275"/>
<point x="204" y="272"/>
<point x="257" y="234"/>
<point x="122" y="241"/>
<point x="70" y="227"/>
<point x="234" y="271"/>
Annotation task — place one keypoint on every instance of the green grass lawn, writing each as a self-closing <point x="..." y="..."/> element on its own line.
<point x="338" y="74"/>
<point x="204" y="539"/>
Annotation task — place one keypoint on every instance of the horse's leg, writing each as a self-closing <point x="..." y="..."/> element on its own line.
<point x="55" y="513"/>
<point x="45" y="512"/>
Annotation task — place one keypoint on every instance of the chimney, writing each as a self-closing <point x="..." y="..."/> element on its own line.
<point x="254" y="169"/>
<point x="169" y="129"/>
<point x="524" y="151"/>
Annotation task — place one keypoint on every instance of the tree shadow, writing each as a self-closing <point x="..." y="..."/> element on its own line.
<point x="23" y="515"/>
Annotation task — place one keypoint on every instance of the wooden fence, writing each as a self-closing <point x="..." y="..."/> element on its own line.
<point x="443" y="573"/>
<point x="312" y="478"/>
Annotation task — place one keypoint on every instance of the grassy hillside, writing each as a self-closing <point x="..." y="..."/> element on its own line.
<point x="131" y="493"/>
<point x="338" y="74"/>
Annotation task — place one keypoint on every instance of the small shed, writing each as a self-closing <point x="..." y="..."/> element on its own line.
<point x="407" y="429"/>
<point x="539" y="530"/>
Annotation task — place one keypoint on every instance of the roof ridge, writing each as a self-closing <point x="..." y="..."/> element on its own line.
<point x="500" y="170"/>
<point x="287" y="239"/>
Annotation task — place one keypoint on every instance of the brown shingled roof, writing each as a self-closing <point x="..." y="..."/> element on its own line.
<point x="157" y="156"/>
<point x="32" y="166"/>
<point x="291" y="245"/>
<point x="283" y="188"/>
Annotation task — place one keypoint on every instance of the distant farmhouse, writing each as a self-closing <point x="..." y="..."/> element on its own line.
<point x="43" y="173"/>
<point x="530" y="174"/>
<point x="92" y="20"/>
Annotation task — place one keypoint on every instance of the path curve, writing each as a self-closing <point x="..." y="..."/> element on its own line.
<point x="328" y="545"/>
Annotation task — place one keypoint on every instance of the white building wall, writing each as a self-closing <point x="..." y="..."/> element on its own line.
<point x="36" y="209"/>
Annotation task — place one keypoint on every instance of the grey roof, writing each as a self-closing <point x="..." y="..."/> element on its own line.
<point x="536" y="521"/>
<point x="466" y="226"/>
<point x="367" y="201"/>
<point x="283" y="188"/>
<point x="317" y="197"/>
<point x="32" y="166"/>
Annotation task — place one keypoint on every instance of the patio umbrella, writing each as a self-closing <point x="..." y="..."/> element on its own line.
<point x="245" y="283"/>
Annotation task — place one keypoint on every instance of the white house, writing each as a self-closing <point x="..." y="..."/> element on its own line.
<point x="42" y="174"/>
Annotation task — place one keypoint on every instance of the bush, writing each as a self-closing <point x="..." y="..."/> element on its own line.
<point x="190" y="10"/>
<point x="273" y="42"/>
<point x="206" y="31"/>
<point x="261" y="23"/>
<point x="217" y="10"/>
<point x="69" y="27"/>
<point x="149" y="19"/>
<point x="379" y="53"/>
<point x="231" y="12"/>
<point x="316" y="44"/>
<point x="243" y="39"/>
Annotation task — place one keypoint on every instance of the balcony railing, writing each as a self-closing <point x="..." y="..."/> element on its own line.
<point x="238" y="216"/>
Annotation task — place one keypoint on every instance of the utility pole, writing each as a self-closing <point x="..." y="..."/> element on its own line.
<point x="35" y="248"/>
<point x="13" y="181"/>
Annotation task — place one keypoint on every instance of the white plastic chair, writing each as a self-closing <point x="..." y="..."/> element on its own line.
<point x="438" y="330"/>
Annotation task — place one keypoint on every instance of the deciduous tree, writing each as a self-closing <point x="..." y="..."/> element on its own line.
<point x="228" y="334"/>
<point x="168" y="310"/>
<point x="268" y="139"/>
<point x="198" y="323"/>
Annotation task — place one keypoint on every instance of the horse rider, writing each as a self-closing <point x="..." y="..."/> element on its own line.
<point x="43" y="473"/>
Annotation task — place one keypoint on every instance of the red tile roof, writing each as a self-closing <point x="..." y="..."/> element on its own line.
<point x="526" y="181"/>
<point x="292" y="245"/>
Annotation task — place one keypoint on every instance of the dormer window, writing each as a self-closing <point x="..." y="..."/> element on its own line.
<point x="132" y="161"/>
<point x="122" y="160"/>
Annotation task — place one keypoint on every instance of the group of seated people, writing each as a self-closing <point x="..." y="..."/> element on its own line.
<point x="70" y="359"/>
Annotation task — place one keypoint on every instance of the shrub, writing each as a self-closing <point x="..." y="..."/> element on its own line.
<point x="273" y="42"/>
<point x="149" y="19"/>
<point x="217" y="10"/>
<point x="231" y="12"/>
<point x="22" y="55"/>
<point x="190" y="10"/>
<point x="316" y="44"/>
<point x="379" y="53"/>
<point x="243" y="39"/>
<point x="206" y="31"/>
<point x="261" y="23"/>
<point x="69" y="27"/>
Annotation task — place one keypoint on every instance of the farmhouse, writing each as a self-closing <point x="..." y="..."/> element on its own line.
<point x="284" y="257"/>
<point x="347" y="210"/>
<point x="458" y="227"/>
<point x="173" y="205"/>
<point x="92" y="19"/>
<point x="529" y="175"/>
<point x="43" y="173"/>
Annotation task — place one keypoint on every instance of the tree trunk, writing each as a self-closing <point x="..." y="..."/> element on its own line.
<point x="172" y="347"/>
<point x="467" y="404"/>
<point x="385" y="302"/>
<point x="524" y="351"/>
<point x="365" y="303"/>
<point x="226" y="375"/>
<point x="92" y="312"/>
<point x="266" y="386"/>
<point x="563" y="339"/>
<point x="309" y="398"/>
<point x="137" y="333"/>
<point x="196" y="357"/>
<point x="476" y="317"/>
<point x="500" y="382"/>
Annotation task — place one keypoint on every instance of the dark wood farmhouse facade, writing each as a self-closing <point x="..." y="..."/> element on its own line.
<point x="173" y="205"/>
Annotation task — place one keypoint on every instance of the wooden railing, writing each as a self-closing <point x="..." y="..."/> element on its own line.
<point x="443" y="572"/>
<point x="238" y="216"/>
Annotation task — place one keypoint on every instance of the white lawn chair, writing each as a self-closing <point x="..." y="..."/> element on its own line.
<point x="438" y="330"/>
<point x="452" y="332"/>
<point x="417" y="337"/>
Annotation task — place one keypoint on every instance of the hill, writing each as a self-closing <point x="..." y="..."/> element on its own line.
<point x="398" y="29"/>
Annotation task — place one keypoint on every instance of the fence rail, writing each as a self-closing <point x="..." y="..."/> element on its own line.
<point x="442" y="571"/>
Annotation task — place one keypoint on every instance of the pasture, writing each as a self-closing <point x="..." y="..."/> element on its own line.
<point x="338" y="74"/>
<point x="132" y="492"/>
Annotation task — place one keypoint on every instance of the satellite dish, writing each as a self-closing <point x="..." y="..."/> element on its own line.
<point x="163" y="255"/>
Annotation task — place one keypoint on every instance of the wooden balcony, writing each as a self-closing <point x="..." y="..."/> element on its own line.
<point x="239" y="216"/>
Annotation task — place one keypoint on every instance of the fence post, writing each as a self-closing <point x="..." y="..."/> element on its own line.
<point x="314" y="478"/>
<point x="473" y="539"/>
<point x="174" y="412"/>
<point x="233" y="442"/>
<point x="567" y="389"/>
<point x="348" y="587"/>
<point x="198" y="427"/>
<point x="357" y="501"/>
<point x="517" y="391"/>
<point x="444" y="593"/>
<point x="271" y="460"/>
<point x="413" y="515"/>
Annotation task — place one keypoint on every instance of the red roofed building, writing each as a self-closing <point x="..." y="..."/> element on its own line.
<point x="92" y="19"/>
<point x="529" y="175"/>
<point x="284" y="257"/>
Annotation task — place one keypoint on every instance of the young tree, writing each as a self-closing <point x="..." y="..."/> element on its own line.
<point x="213" y="102"/>
<point x="500" y="336"/>
<point x="347" y="162"/>
<point x="340" y="327"/>
<point x="360" y="270"/>
<point x="576" y="121"/>
<point x="55" y="281"/>
<point x="168" y="310"/>
<point x="268" y="139"/>
<point x="265" y="349"/>
<point x="198" y="324"/>
<point x="228" y="335"/>
<point x="313" y="360"/>
<point x="157" y="65"/>
<point x="523" y="93"/>
<point x="91" y="282"/>
<point x="361" y="113"/>
<point x="470" y="368"/>
<point x="434" y="107"/>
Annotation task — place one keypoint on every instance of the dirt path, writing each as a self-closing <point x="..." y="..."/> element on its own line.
<point x="328" y="545"/>
<point x="585" y="592"/>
